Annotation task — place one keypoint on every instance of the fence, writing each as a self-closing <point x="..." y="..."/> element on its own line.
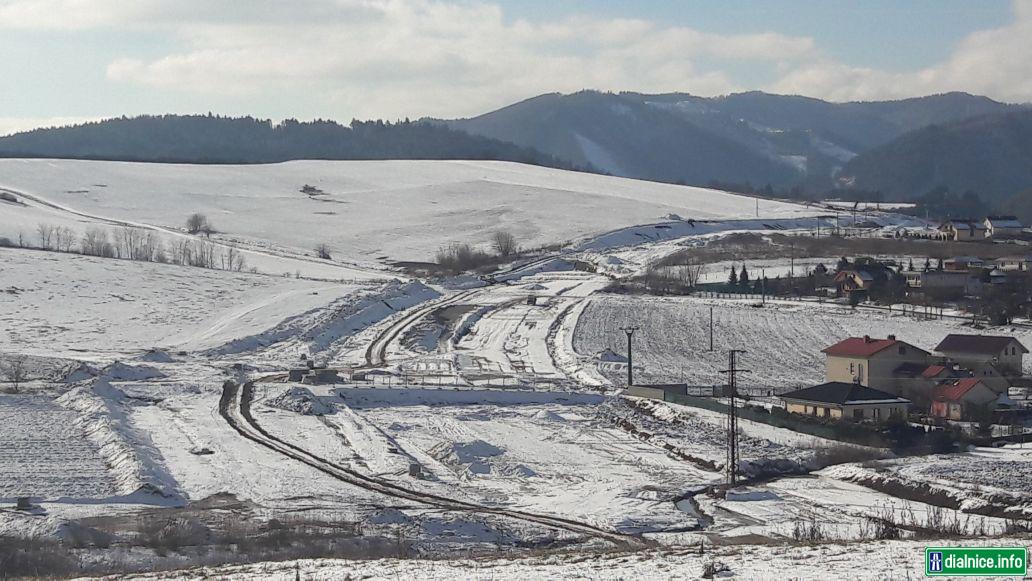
<point x="855" y="434"/>
<point x="915" y="311"/>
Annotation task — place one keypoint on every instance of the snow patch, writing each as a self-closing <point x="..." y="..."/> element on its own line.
<point x="301" y="400"/>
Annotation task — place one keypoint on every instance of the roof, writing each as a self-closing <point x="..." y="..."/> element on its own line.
<point x="981" y="344"/>
<point x="933" y="371"/>
<point x="955" y="389"/>
<point x="1005" y="221"/>
<point x="862" y="347"/>
<point x="840" y="393"/>
<point x="976" y="224"/>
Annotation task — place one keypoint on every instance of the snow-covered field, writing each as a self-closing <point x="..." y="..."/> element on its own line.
<point x="370" y="210"/>
<point x="45" y="453"/>
<point x="782" y="340"/>
<point x="55" y="304"/>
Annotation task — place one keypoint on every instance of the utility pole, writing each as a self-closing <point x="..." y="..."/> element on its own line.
<point x="732" y="372"/>
<point x="630" y="360"/>
<point x="711" y="328"/>
<point x="763" y="286"/>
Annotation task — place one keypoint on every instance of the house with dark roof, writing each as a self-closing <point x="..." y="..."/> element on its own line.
<point x="872" y="362"/>
<point x="841" y="400"/>
<point x="972" y="351"/>
<point x="961" y="399"/>
<point x="1002" y="226"/>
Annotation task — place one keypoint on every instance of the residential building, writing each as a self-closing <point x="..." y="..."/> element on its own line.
<point x="841" y="400"/>
<point x="1011" y="263"/>
<point x="943" y="283"/>
<point x="963" y="230"/>
<point x="871" y="362"/>
<point x="960" y="399"/>
<point x="1002" y="226"/>
<point x="972" y="351"/>
<point x="963" y="263"/>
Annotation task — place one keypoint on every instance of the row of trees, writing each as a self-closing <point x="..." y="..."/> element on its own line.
<point x="463" y="257"/>
<point x="132" y="243"/>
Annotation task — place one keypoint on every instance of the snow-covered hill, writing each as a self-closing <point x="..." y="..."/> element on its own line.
<point x="366" y="211"/>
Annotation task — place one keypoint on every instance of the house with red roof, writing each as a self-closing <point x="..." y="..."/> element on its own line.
<point x="959" y="399"/>
<point x="873" y="362"/>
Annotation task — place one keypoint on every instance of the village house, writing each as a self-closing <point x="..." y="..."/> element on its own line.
<point x="943" y="284"/>
<point x="872" y="362"/>
<point x="972" y="351"/>
<point x="963" y="263"/>
<point x="842" y="400"/>
<point x="1002" y="227"/>
<point x="1011" y="263"/>
<point x="963" y="230"/>
<point x="961" y="399"/>
<point x="862" y="276"/>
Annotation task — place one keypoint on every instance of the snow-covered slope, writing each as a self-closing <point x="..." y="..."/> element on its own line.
<point x="365" y="210"/>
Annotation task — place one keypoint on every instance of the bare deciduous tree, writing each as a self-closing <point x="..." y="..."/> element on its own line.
<point x="45" y="232"/>
<point x="15" y="371"/>
<point x="323" y="251"/>
<point x="504" y="243"/>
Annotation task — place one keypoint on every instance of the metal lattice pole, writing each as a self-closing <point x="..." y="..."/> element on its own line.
<point x="732" y="372"/>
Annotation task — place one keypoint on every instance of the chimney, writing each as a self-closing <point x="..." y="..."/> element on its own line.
<point x="867" y="338"/>
<point x="892" y="337"/>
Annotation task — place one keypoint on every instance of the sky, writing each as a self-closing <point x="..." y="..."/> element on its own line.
<point x="64" y="61"/>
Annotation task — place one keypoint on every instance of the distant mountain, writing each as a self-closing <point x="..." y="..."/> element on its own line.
<point x="990" y="154"/>
<point x="213" y="139"/>
<point x="748" y="137"/>
<point x="629" y="137"/>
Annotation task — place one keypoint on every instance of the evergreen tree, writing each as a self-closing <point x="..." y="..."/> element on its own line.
<point x="743" y="278"/>
<point x="910" y="265"/>
<point x="843" y="264"/>
<point x="939" y="266"/>
<point x="928" y="264"/>
<point x="733" y="279"/>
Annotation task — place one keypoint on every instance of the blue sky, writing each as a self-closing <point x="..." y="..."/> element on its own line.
<point x="66" y="60"/>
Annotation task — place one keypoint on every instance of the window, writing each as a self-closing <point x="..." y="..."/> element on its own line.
<point x="852" y="368"/>
<point x="876" y="413"/>
<point x="858" y="414"/>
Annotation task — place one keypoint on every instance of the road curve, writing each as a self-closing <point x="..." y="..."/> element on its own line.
<point x="235" y="408"/>
<point x="376" y="353"/>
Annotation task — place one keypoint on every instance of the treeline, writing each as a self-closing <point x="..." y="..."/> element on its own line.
<point x="132" y="244"/>
<point x="215" y="139"/>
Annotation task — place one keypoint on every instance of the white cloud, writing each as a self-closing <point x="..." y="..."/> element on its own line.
<point x="996" y="62"/>
<point x="415" y="57"/>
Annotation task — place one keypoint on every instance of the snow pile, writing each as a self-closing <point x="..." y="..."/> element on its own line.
<point x="81" y="372"/>
<point x="134" y="461"/>
<point x="469" y="321"/>
<point x="157" y="356"/>
<point x="549" y="415"/>
<point x="474" y="456"/>
<point x="119" y="371"/>
<point x="302" y="401"/>
<point x="320" y="328"/>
